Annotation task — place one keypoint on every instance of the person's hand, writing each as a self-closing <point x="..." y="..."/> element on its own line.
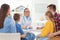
<point x="23" y="36"/>
<point x="39" y="27"/>
<point x="51" y="35"/>
<point x="30" y="27"/>
<point x="24" y="27"/>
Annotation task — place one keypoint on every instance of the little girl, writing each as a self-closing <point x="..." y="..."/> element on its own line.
<point x="48" y="28"/>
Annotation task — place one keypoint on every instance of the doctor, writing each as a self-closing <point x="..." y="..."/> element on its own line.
<point x="26" y="19"/>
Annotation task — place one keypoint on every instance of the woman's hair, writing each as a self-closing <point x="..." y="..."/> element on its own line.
<point x="3" y="13"/>
<point x="50" y="15"/>
<point x="16" y="16"/>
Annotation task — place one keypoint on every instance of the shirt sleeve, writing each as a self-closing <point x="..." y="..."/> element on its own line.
<point x="47" y="29"/>
<point x="19" y="29"/>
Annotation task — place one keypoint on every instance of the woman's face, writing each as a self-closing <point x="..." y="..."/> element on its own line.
<point x="8" y="13"/>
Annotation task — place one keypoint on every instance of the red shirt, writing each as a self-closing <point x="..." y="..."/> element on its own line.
<point x="57" y="21"/>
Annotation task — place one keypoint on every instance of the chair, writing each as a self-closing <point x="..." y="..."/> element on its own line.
<point x="9" y="36"/>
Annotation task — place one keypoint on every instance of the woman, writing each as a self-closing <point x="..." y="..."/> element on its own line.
<point x="7" y="24"/>
<point x="48" y="28"/>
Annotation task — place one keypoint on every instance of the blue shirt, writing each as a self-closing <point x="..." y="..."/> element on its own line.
<point x="26" y="21"/>
<point x="9" y="26"/>
<point x="19" y="29"/>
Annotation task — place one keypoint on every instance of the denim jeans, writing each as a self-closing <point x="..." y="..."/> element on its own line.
<point x="44" y="38"/>
<point x="29" y="36"/>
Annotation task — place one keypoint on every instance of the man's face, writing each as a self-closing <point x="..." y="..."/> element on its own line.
<point x="49" y="9"/>
<point x="27" y="12"/>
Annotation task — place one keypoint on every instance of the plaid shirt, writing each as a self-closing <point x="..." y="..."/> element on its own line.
<point x="57" y="21"/>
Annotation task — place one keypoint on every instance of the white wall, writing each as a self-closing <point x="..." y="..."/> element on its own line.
<point x="16" y="3"/>
<point x="39" y="7"/>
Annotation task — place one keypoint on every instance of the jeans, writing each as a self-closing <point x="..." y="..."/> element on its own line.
<point x="29" y="36"/>
<point x="44" y="38"/>
<point x="23" y="39"/>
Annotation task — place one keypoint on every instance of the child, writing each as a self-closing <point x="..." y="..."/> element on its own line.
<point x="27" y="36"/>
<point x="48" y="28"/>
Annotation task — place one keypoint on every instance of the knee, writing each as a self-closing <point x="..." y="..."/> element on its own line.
<point x="33" y="36"/>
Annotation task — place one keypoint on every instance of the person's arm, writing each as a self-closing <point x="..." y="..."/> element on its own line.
<point x="22" y="33"/>
<point x="19" y="30"/>
<point x="53" y="34"/>
<point x="47" y="29"/>
<point x="56" y="33"/>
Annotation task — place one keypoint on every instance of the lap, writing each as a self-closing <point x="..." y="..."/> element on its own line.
<point x="55" y="38"/>
<point x="30" y="36"/>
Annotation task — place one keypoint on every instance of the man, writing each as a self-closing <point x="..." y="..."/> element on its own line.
<point x="26" y="19"/>
<point x="52" y="8"/>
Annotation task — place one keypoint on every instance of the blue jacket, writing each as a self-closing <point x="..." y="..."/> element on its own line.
<point x="19" y="29"/>
<point x="9" y="26"/>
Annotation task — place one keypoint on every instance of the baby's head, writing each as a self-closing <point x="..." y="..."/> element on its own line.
<point x="17" y="17"/>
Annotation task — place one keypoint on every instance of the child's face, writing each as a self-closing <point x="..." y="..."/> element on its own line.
<point x="47" y="17"/>
<point x="19" y="19"/>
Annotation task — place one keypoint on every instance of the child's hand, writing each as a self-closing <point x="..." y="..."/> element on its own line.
<point x="23" y="36"/>
<point x="24" y="27"/>
<point x="30" y="27"/>
<point x="39" y="27"/>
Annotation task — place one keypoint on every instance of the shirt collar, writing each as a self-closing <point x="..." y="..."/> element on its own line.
<point x="26" y="16"/>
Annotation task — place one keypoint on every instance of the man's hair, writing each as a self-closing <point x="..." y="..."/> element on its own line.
<point x="16" y="16"/>
<point x="26" y="9"/>
<point x="52" y="6"/>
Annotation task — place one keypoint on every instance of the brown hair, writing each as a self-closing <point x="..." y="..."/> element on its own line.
<point x="16" y="16"/>
<point x="52" y="6"/>
<point x="3" y="13"/>
<point x="25" y="9"/>
<point x="50" y="15"/>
